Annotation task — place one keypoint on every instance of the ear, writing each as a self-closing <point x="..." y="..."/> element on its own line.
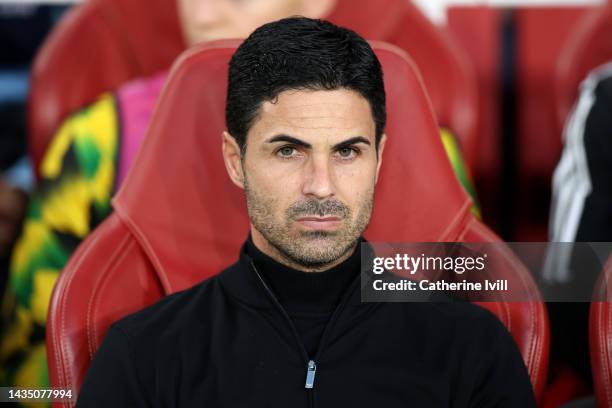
<point x="318" y="8"/>
<point x="381" y="149"/>
<point x="232" y="159"/>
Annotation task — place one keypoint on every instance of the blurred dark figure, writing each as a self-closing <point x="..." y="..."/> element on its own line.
<point x="581" y="211"/>
<point x="19" y="42"/>
<point x="13" y="181"/>
<point x="582" y="183"/>
<point x="23" y="27"/>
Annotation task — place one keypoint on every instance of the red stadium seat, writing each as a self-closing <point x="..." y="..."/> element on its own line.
<point x="178" y="219"/>
<point x="446" y="69"/>
<point x="588" y="47"/>
<point x="600" y="337"/>
<point x="520" y="139"/>
<point x="97" y="47"/>
<point x="137" y="38"/>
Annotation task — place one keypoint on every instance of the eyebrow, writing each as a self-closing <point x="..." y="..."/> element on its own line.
<point x="351" y="141"/>
<point x="289" y="139"/>
<point x="337" y="146"/>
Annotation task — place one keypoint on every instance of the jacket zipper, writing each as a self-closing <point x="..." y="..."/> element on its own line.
<point x="311" y="365"/>
<point x="310" y="374"/>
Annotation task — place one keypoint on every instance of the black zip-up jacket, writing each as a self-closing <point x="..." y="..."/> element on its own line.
<point x="228" y="342"/>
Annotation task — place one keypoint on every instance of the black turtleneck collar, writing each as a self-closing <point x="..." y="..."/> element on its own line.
<point x="300" y="291"/>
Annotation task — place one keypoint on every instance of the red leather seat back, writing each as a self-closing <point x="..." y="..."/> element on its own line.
<point x="600" y="337"/>
<point x="98" y="46"/>
<point x="178" y="219"/>
<point x="588" y="47"/>
<point x="139" y="37"/>
<point x="447" y="72"/>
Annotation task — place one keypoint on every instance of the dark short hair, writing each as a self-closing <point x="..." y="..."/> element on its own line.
<point x="300" y="53"/>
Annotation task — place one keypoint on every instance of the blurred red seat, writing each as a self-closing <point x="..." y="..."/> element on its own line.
<point x="600" y="337"/>
<point x="588" y="47"/>
<point x="103" y="43"/>
<point x="446" y="69"/>
<point x="177" y="224"/>
<point x="98" y="46"/>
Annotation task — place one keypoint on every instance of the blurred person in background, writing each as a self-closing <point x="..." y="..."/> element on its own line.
<point x="84" y="166"/>
<point x="582" y="183"/>
<point x="15" y="180"/>
<point x="581" y="211"/>
<point x="22" y="29"/>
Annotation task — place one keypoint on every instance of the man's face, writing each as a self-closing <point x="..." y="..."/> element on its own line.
<point x="309" y="173"/>
<point x="207" y="20"/>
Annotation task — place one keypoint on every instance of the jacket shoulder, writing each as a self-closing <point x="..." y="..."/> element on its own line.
<point x="174" y="313"/>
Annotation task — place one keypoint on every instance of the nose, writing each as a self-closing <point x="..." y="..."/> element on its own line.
<point x="318" y="181"/>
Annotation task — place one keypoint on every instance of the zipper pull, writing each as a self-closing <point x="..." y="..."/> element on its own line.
<point x="310" y="374"/>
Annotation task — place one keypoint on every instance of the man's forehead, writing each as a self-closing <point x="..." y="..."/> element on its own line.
<point x="336" y="110"/>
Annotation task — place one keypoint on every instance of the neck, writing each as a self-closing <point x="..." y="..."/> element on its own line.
<point x="270" y="250"/>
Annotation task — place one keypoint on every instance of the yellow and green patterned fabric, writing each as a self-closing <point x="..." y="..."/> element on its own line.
<point x="461" y="170"/>
<point x="77" y="180"/>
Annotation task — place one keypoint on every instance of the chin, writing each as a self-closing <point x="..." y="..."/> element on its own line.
<point x="322" y="242"/>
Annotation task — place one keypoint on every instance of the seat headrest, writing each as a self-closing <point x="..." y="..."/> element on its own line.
<point x="587" y="47"/>
<point x="190" y="219"/>
<point x="132" y="39"/>
<point x="446" y="70"/>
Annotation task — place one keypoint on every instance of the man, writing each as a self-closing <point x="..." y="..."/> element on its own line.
<point x="284" y="325"/>
<point x="84" y="166"/>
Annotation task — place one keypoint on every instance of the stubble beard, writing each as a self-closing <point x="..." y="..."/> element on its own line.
<point x="309" y="249"/>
